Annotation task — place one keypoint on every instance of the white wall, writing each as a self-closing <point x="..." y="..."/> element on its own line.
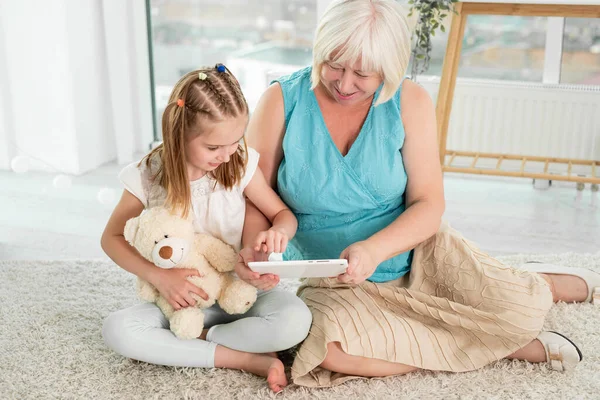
<point x="41" y="110"/>
<point x="55" y="78"/>
<point x="94" y="141"/>
<point x="6" y="130"/>
<point x="140" y="57"/>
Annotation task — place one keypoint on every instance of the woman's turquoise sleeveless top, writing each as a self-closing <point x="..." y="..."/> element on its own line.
<point x="340" y="200"/>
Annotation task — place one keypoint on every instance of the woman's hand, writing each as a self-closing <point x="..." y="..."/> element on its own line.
<point x="262" y="282"/>
<point x="175" y="288"/>
<point x="361" y="263"/>
<point x="274" y="240"/>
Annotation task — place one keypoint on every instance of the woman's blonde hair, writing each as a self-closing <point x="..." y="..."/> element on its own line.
<point x="375" y="32"/>
<point x="207" y="95"/>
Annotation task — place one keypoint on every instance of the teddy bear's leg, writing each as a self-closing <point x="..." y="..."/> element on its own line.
<point x="210" y="283"/>
<point x="165" y="307"/>
<point x="187" y="323"/>
<point x="146" y="291"/>
<point x="236" y="296"/>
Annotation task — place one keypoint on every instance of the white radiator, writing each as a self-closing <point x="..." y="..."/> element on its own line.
<point x="523" y="118"/>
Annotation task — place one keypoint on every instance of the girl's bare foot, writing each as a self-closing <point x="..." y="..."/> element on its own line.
<point x="276" y="378"/>
<point x="269" y="367"/>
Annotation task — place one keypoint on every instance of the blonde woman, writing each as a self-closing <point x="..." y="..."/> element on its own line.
<point x="351" y="147"/>
<point x="203" y="167"/>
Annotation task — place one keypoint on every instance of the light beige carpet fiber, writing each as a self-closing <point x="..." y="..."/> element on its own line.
<point x="51" y="315"/>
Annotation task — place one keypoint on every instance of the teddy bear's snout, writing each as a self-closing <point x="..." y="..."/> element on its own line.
<point x="165" y="252"/>
<point x="169" y="252"/>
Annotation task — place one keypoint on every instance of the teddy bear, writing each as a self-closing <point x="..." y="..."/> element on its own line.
<point x="169" y="241"/>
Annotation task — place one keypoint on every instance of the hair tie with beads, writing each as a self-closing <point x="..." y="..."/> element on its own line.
<point x="220" y="67"/>
<point x="180" y="102"/>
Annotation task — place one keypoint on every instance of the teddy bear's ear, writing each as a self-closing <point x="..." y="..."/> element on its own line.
<point x="131" y="228"/>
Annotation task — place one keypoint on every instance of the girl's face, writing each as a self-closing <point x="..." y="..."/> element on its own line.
<point x="349" y="84"/>
<point x="216" y="144"/>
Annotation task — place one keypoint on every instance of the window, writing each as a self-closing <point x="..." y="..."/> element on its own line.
<point x="504" y="48"/>
<point x="259" y="40"/>
<point x="252" y="38"/>
<point x="513" y="48"/>
<point x="496" y="47"/>
<point x="581" y="52"/>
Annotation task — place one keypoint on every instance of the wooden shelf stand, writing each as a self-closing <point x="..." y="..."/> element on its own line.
<point x="549" y="8"/>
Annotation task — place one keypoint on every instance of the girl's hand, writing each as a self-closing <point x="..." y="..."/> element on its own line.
<point x="261" y="282"/>
<point x="361" y="263"/>
<point x="274" y="240"/>
<point x="176" y="289"/>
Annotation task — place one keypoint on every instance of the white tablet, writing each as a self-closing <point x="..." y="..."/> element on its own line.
<point x="301" y="269"/>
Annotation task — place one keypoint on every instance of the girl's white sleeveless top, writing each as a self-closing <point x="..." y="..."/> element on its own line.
<point x="217" y="211"/>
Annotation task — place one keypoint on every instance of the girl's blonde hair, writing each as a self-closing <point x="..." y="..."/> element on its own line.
<point x="374" y="32"/>
<point x="207" y="95"/>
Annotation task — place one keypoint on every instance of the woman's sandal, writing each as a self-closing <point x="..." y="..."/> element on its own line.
<point x="561" y="353"/>
<point x="591" y="278"/>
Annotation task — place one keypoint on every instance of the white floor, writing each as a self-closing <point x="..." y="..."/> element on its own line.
<point x="504" y="216"/>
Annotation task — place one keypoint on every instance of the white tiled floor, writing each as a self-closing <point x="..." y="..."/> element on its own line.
<point x="507" y="216"/>
<point x="502" y="215"/>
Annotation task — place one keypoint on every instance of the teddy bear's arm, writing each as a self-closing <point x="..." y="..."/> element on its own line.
<point x="219" y="254"/>
<point x="146" y="291"/>
<point x="236" y="295"/>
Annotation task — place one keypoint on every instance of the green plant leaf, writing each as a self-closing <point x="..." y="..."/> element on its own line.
<point x="431" y="16"/>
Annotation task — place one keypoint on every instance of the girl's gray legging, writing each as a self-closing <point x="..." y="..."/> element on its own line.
<point x="277" y="321"/>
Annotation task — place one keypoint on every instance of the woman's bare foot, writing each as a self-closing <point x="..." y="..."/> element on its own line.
<point x="567" y="288"/>
<point x="269" y="367"/>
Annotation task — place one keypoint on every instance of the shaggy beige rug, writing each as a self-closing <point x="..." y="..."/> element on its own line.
<point x="51" y="314"/>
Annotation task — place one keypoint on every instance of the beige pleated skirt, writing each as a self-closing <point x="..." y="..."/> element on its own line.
<point x="458" y="310"/>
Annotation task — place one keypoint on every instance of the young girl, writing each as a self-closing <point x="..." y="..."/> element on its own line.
<point x="204" y="167"/>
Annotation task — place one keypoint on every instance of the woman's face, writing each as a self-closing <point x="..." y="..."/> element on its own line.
<point x="349" y="84"/>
